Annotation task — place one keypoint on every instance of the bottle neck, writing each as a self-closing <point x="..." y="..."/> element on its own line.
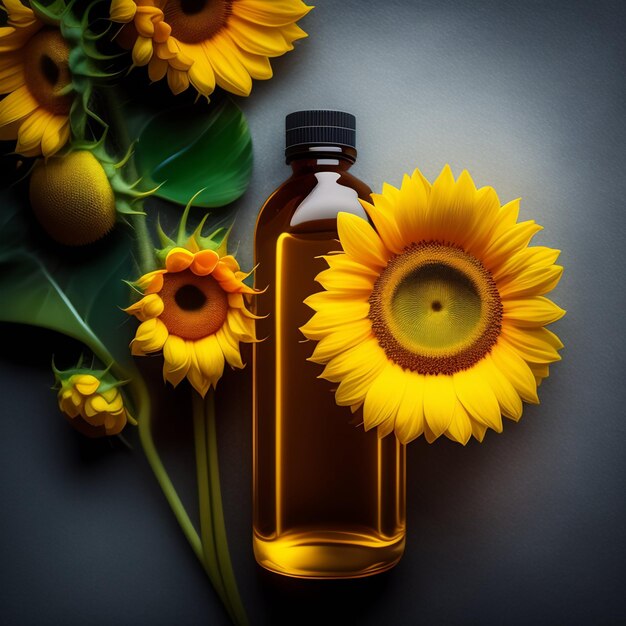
<point x="306" y="158"/>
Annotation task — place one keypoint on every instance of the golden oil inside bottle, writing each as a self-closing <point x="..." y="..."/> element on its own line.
<point x="330" y="496"/>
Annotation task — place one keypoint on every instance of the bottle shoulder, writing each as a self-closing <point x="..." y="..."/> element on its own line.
<point x="305" y="200"/>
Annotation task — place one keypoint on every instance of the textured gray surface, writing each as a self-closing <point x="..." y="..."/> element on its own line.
<point x="525" y="528"/>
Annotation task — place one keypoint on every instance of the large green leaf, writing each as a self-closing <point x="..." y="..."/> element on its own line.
<point x="77" y="293"/>
<point x="191" y="148"/>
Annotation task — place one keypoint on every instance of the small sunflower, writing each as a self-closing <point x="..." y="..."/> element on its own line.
<point x="34" y="72"/>
<point x="434" y="322"/>
<point x="92" y="402"/>
<point x="194" y="311"/>
<point x="208" y="42"/>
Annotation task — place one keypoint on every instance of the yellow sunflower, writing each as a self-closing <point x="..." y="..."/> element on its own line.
<point x="194" y="311"/>
<point x="434" y="322"/>
<point x="208" y="42"/>
<point x="34" y="72"/>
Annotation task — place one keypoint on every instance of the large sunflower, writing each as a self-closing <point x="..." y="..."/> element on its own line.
<point x="208" y="42"/>
<point x="434" y="322"/>
<point x="34" y="72"/>
<point x="194" y="311"/>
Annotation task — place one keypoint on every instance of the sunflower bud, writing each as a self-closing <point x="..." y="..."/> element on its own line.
<point x="92" y="402"/>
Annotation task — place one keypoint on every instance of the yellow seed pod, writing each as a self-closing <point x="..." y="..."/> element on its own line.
<point x="72" y="198"/>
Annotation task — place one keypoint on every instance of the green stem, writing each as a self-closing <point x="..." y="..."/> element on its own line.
<point x="143" y="241"/>
<point x="142" y="404"/>
<point x="217" y="513"/>
<point x="206" y="519"/>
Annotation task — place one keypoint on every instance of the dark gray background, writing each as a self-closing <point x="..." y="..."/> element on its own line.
<point x="527" y="527"/>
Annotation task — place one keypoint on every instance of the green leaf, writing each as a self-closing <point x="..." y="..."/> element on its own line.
<point x="75" y="292"/>
<point x="189" y="149"/>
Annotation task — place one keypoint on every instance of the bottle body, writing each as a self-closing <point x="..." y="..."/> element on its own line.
<point x="329" y="498"/>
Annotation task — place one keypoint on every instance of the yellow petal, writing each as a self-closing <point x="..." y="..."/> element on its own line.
<point x="275" y="13"/>
<point x="333" y="317"/>
<point x="360" y="241"/>
<point x="230" y="74"/>
<point x="354" y="387"/>
<point x="261" y="41"/>
<point x="201" y="75"/>
<point x="478" y="430"/>
<point x="122" y="11"/>
<point x="55" y="135"/>
<point x="343" y="338"/>
<point x="17" y="105"/>
<point x="240" y="326"/>
<point x="510" y="242"/>
<point x="345" y="281"/>
<point x="152" y="282"/>
<point x="486" y="208"/>
<point x="86" y="384"/>
<point x="176" y="359"/>
<point x="150" y="337"/>
<point x="383" y="396"/>
<point x="210" y="358"/>
<point x="532" y="282"/>
<point x="475" y="393"/>
<point x="31" y="132"/>
<point x="148" y="307"/>
<point x="410" y="414"/>
<point x="196" y="376"/>
<point x="257" y="65"/>
<point x="386" y="226"/>
<point x="359" y="359"/>
<point x="451" y="213"/>
<point x="532" y="344"/>
<point x="157" y="68"/>
<point x="439" y="401"/>
<point x="230" y="347"/>
<point x="177" y="80"/>
<point x="204" y="262"/>
<point x="18" y="13"/>
<point x="142" y="51"/>
<point x="513" y="366"/>
<point x="460" y="428"/>
<point x="535" y="311"/>
<point x="508" y="398"/>
<point x="534" y="257"/>
<point x="11" y="75"/>
<point x="178" y="260"/>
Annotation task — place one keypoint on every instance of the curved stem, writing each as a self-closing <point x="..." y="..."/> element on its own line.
<point x="142" y="401"/>
<point x="206" y="519"/>
<point x="217" y="513"/>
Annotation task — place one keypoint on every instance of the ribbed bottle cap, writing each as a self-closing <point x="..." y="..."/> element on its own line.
<point x="319" y="128"/>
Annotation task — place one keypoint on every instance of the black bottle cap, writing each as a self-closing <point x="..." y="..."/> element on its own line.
<point x="320" y="128"/>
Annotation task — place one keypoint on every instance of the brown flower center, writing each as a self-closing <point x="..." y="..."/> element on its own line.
<point x="47" y="71"/>
<point x="193" y="21"/>
<point x="435" y="309"/>
<point x="194" y="306"/>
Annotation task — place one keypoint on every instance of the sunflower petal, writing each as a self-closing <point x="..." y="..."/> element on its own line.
<point x="383" y="396"/>
<point x="178" y="260"/>
<point x="460" y="429"/>
<point x="360" y="240"/>
<point x="176" y="359"/>
<point x="340" y="340"/>
<point x="532" y="344"/>
<point x="410" y="413"/>
<point x="275" y="14"/>
<point x="210" y="358"/>
<point x="17" y="105"/>
<point x="230" y="347"/>
<point x="513" y="366"/>
<point x="534" y="311"/>
<point x="196" y="376"/>
<point x="475" y="393"/>
<point x="439" y="401"/>
<point x="532" y="282"/>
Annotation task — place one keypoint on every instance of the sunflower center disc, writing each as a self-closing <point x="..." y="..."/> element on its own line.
<point x="47" y="72"/>
<point x="435" y="309"/>
<point x="193" y="21"/>
<point x="194" y="307"/>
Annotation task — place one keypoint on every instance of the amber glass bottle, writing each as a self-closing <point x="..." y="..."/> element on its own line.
<point x="329" y="498"/>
